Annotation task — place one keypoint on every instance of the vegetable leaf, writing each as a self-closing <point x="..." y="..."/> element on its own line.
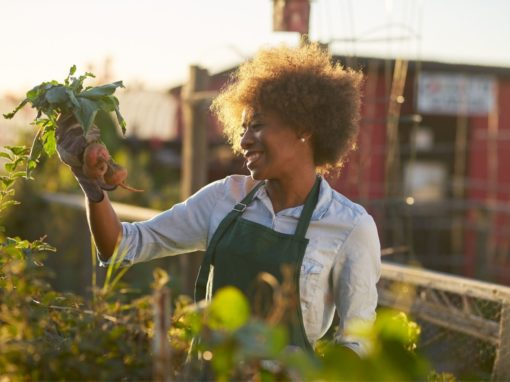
<point x="121" y="120"/>
<point x="86" y="113"/>
<point x="49" y="142"/>
<point x="57" y="95"/>
<point x="101" y="91"/>
<point x="52" y="99"/>
<point x="11" y="114"/>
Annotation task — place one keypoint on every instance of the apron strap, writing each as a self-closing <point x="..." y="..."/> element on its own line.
<point x="203" y="274"/>
<point x="308" y="208"/>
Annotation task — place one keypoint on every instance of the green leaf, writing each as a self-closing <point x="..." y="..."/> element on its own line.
<point x="120" y="118"/>
<point x="72" y="70"/>
<point x="229" y="309"/>
<point x="33" y="93"/>
<point x="107" y="103"/>
<point x="57" y="95"/>
<point x="101" y="91"/>
<point x="17" y="150"/>
<point x="5" y="155"/>
<point x="86" y="113"/>
<point x="49" y="142"/>
<point x="6" y="181"/>
<point x="72" y="98"/>
<point x="12" y="113"/>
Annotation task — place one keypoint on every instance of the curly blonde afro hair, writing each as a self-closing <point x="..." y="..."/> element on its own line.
<point x="306" y="89"/>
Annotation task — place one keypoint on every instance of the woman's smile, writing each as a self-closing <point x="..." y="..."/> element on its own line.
<point x="252" y="157"/>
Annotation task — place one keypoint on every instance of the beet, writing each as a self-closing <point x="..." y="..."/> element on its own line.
<point x="98" y="165"/>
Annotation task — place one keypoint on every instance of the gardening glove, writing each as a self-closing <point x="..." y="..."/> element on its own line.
<point x="71" y="144"/>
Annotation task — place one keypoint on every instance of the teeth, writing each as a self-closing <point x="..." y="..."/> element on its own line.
<point x="253" y="157"/>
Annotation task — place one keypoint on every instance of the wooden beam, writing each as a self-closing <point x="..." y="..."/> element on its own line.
<point x="445" y="282"/>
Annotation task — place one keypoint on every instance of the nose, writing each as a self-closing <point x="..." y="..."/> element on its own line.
<point x="247" y="139"/>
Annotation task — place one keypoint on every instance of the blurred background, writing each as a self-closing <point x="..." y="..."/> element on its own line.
<point x="434" y="144"/>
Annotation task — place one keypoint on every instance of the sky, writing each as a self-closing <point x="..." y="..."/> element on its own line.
<point x="153" y="42"/>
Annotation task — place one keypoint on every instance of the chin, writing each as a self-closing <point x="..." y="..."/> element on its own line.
<point x="256" y="175"/>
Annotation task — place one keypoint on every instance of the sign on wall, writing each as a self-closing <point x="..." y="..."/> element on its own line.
<point x="451" y="93"/>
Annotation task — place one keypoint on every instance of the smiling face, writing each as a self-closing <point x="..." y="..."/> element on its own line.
<point x="272" y="149"/>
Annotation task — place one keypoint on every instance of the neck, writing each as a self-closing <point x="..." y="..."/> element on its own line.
<point x="290" y="192"/>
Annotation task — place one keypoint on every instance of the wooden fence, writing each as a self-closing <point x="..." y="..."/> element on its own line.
<point x="469" y="316"/>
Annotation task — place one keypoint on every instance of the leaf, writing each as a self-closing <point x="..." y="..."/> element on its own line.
<point x="107" y="103"/>
<point x="49" y="142"/>
<point x="229" y="309"/>
<point x="72" y="70"/>
<point x="12" y="113"/>
<point x="6" y="181"/>
<point x="17" y="150"/>
<point x="33" y="93"/>
<point x="5" y="155"/>
<point x="57" y="95"/>
<point x="86" y="113"/>
<point x="101" y="91"/>
<point x="120" y="118"/>
<point x="72" y="98"/>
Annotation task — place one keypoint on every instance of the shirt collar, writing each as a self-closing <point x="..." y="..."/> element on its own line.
<point x="323" y="204"/>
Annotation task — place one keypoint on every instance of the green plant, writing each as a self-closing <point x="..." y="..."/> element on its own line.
<point x="52" y="99"/>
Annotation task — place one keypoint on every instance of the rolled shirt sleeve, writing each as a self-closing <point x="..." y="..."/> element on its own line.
<point x="183" y="228"/>
<point x="355" y="276"/>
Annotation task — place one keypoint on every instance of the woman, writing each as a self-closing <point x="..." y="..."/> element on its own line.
<point x="292" y="113"/>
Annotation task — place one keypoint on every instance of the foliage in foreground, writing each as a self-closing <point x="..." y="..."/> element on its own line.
<point x="45" y="335"/>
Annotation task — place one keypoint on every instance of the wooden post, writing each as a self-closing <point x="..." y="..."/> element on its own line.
<point x="392" y="176"/>
<point x="392" y="162"/>
<point x="501" y="369"/>
<point x="459" y="174"/>
<point x="194" y="150"/>
<point x="492" y="175"/>
<point x="194" y="158"/>
<point x="161" y="346"/>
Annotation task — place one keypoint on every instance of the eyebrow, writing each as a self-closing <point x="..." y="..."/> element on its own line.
<point x="251" y="118"/>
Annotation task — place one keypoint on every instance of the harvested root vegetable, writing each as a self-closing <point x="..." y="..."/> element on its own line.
<point x="116" y="176"/>
<point x="95" y="159"/>
<point x="98" y="165"/>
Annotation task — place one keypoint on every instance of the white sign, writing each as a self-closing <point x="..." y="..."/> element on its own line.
<point x="450" y="93"/>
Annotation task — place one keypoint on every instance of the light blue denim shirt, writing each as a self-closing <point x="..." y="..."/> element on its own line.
<point x="340" y="268"/>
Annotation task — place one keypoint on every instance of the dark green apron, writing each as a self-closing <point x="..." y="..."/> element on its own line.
<point x="240" y="250"/>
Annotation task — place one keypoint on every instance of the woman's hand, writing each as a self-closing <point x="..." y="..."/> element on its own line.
<point x="71" y="144"/>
